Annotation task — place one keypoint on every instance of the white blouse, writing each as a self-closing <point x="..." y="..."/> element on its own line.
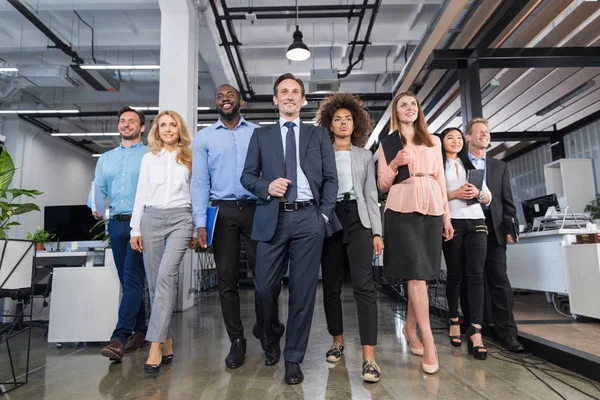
<point x="456" y="176"/>
<point x="163" y="183"/>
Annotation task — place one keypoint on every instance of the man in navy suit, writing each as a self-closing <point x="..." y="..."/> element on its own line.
<point x="290" y="167"/>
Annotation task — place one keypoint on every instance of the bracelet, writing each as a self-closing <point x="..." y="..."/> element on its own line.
<point x="480" y="196"/>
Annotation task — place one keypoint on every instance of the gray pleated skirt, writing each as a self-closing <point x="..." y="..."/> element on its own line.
<point x="413" y="245"/>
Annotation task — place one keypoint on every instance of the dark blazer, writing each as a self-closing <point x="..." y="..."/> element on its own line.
<point x="265" y="163"/>
<point x="502" y="207"/>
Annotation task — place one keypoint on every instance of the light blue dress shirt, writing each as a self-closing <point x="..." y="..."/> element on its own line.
<point x="117" y="173"/>
<point x="219" y="155"/>
<point x="480" y="163"/>
<point x="304" y="192"/>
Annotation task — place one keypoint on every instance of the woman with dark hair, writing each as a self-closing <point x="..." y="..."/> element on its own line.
<point x="162" y="225"/>
<point x="349" y="123"/>
<point x="416" y="219"/>
<point x="467" y="249"/>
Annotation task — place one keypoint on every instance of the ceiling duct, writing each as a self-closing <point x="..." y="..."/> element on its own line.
<point x="48" y="76"/>
<point x="323" y="81"/>
<point x="98" y="80"/>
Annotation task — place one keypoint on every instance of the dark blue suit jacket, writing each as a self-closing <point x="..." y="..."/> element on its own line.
<point x="265" y="163"/>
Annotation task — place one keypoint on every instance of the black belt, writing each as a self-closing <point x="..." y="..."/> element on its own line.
<point x="296" y="205"/>
<point x="122" y="217"/>
<point x="234" y="203"/>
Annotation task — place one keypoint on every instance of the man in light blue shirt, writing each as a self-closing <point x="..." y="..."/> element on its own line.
<point x="117" y="173"/>
<point x="219" y="154"/>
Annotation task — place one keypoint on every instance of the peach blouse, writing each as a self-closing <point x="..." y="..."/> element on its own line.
<point x="422" y="194"/>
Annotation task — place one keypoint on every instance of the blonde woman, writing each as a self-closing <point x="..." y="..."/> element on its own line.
<point x="416" y="219"/>
<point x="162" y="225"/>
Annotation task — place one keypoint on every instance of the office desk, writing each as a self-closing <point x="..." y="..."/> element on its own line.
<point x="537" y="261"/>
<point x="547" y="261"/>
<point x="81" y="258"/>
<point x="85" y="304"/>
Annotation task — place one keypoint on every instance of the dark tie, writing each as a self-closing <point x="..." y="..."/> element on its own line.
<point x="290" y="163"/>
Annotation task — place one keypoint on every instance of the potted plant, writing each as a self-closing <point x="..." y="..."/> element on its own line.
<point x="593" y="208"/>
<point x="8" y="205"/>
<point x="40" y="237"/>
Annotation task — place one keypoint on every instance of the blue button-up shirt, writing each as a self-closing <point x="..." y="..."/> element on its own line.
<point x="219" y="155"/>
<point x="304" y="192"/>
<point x="480" y="163"/>
<point x="117" y="173"/>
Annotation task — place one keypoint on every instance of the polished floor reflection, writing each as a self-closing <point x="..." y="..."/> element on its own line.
<point x="198" y="370"/>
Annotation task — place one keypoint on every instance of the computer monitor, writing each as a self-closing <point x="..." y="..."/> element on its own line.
<point x="70" y="223"/>
<point x="537" y="207"/>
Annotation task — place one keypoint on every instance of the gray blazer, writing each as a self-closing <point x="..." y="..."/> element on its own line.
<point x="365" y="188"/>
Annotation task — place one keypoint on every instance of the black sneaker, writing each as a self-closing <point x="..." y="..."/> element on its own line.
<point x="370" y="371"/>
<point x="334" y="354"/>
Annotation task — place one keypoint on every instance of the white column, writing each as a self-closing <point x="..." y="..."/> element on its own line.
<point x="179" y="59"/>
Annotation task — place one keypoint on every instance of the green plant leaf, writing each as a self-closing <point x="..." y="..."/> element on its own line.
<point x="7" y="170"/>
<point x="25" y="208"/>
<point x="23" y="192"/>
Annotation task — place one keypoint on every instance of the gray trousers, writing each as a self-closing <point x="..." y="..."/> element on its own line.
<point x="166" y="234"/>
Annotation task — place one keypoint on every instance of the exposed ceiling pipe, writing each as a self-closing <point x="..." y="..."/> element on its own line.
<point x="365" y="43"/>
<point x="235" y="59"/>
<point x="58" y="43"/>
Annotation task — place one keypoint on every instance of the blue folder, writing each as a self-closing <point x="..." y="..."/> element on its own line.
<point x="211" y="219"/>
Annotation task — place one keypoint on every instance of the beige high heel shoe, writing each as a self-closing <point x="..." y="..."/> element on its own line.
<point x="416" y="352"/>
<point x="431" y="369"/>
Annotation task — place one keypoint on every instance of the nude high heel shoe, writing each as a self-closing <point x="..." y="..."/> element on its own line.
<point x="432" y="369"/>
<point x="416" y="352"/>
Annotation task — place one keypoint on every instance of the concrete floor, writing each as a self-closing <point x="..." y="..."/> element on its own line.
<point x="198" y="370"/>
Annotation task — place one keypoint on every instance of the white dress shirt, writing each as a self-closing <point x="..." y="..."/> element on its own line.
<point x="163" y="183"/>
<point x="456" y="176"/>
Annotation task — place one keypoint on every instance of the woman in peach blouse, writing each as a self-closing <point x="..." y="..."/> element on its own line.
<point x="416" y="219"/>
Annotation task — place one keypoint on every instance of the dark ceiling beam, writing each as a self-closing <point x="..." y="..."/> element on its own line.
<point x="58" y="43"/>
<point x="306" y="15"/>
<point x="538" y="57"/>
<point x="333" y="7"/>
<point x="520" y="136"/>
<point x="47" y="128"/>
<point x="442" y="88"/>
<point x="506" y="12"/>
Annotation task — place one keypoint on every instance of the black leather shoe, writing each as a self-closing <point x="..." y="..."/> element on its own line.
<point x="237" y="354"/>
<point x="167" y="359"/>
<point x="512" y="344"/>
<point x="151" y="368"/>
<point x="293" y="373"/>
<point x="273" y="353"/>
<point x="258" y="330"/>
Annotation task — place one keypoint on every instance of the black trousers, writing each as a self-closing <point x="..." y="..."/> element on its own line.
<point x="299" y="238"/>
<point x="354" y="244"/>
<point x="498" y="292"/>
<point x="232" y="222"/>
<point x="466" y="251"/>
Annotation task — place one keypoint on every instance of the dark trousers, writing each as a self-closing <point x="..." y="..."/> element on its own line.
<point x="466" y="251"/>
<point x="355" y="244"/>
<point x="498" y="308"/>
<point x="298" y="236"/>
<point x="232" y="222"/>
<point x="130" y="267"/>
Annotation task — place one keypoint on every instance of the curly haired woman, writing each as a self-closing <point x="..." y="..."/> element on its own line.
<point x="349" y="124"/>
